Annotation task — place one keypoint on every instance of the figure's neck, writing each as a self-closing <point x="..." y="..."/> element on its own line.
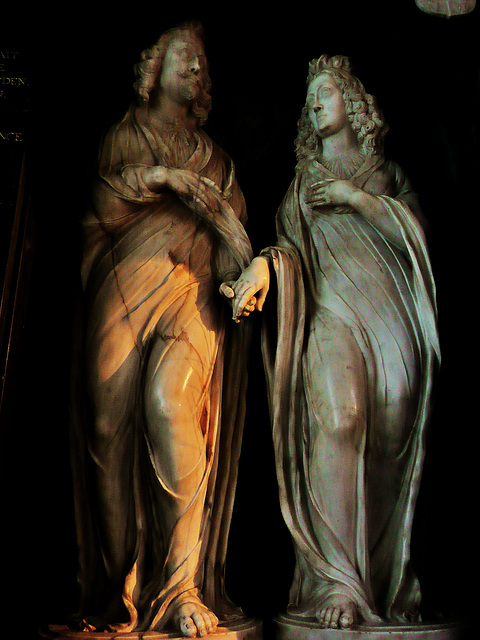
<point x="168" y="112"/>
<point x="340" y="144"/>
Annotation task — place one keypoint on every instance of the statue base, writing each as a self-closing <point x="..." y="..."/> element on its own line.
<point x="289" y="628"/>
<point x="244" y="629"/>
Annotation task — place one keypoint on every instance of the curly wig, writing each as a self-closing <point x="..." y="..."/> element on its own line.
<point x="361" y="109"/>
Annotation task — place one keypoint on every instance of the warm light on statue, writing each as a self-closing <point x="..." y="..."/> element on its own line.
<point x="163" y="370"/>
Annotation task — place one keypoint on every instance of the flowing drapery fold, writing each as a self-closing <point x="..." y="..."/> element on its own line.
<point x="343" y="284"/>
<point x="150" y="277"/>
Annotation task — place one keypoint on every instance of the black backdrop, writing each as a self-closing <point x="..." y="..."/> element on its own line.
<point x="425" y="73"/>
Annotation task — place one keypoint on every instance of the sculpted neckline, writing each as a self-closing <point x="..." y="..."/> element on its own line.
<point x="344" y="166"/>
<point x="351" y="166"/>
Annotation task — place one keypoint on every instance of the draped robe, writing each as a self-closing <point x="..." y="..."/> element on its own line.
<point x="351" y="302"/>
<point x="150" y="274"/>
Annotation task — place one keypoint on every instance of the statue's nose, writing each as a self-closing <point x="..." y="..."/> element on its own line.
<point x="195" y="65"/>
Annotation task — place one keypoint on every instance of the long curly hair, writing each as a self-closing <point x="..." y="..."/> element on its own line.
<point x="148" y="70"/>
<point x="361" y="108"/>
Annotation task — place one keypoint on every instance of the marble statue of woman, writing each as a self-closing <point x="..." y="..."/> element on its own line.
<point x="350" y="359"/>
<point x="162" y="374"/>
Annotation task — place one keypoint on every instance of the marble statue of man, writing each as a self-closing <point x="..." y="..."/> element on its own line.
<point x="350" y="359"/>
<point x="162" y="374"/>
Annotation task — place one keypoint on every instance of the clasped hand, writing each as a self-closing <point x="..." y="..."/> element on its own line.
<point x="202" y="194"/>
<point x="248" y="292"/>
<point x="330" y="192"/>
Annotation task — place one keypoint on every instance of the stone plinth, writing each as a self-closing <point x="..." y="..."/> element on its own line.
<point x="287" y="628"/>
<point x="245" y="629"/>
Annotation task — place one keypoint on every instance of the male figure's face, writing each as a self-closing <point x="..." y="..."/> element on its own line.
<point x="184" y="69"/>
<point x="326" y="107"/>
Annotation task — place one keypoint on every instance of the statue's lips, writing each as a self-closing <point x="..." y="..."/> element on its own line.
<point x="189" y="77"/>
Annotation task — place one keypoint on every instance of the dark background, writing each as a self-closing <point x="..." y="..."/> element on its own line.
<point x="425" y="73"/>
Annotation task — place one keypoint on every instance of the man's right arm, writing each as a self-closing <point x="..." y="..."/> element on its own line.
<point x="190" y="186"/>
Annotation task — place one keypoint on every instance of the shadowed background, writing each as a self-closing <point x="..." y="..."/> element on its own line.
<point x="425" y="73"/>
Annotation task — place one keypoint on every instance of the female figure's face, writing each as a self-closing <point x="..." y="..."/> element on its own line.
<point x="326" y="107"/>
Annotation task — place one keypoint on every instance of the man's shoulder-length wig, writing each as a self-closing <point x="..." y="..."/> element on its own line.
<point x="149" y="68"/>
<point x="360" y="106"/>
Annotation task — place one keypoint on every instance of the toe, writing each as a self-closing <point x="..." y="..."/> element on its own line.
<point x="213" y="620"/>
<point x="200" y="623"/>
<point x="187" y="627"/>
<point x="327" y="617"/>
<point x="346" y="620"/>
<point x="321" y="616"/>
<point x="334" y="617"/>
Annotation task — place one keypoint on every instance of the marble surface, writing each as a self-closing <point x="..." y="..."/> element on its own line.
<point x="245" y="629"/>
<point x="288" y="629"/>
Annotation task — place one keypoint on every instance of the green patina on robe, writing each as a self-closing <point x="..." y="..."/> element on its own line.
<point x="334" y="268"/>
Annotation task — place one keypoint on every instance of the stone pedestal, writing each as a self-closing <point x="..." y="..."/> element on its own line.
<point x="287" y="628"/>
<point x="245" y="629"/>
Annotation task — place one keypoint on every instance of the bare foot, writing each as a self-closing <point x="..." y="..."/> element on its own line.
<point x="337" y="612"/>
<point x="193" y="619"/>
